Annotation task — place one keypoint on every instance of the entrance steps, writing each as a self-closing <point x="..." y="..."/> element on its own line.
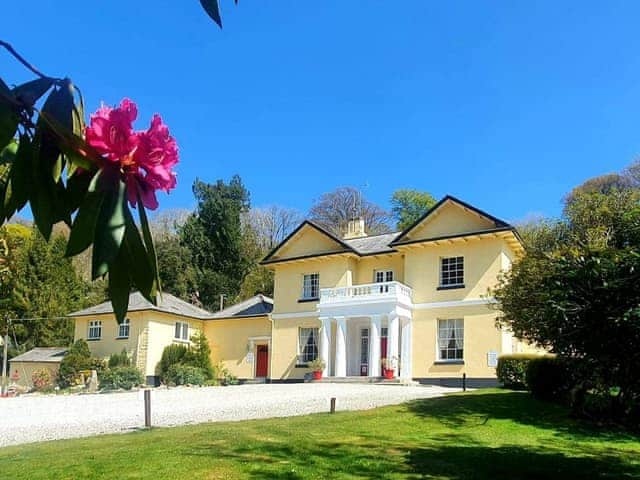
<point x="363" y="379"/>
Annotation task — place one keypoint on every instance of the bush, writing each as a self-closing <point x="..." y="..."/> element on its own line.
<point x="171" y="355"/>
<point x="548" y="378"/>
<point x="42" y="379"/>
<point x="121" y="359"/>
<point x="120" y="377"/>
<point x="199" y="354"/>
<point x="512" y="369"/>
<point x="180" y="374"/>
<point x="77" y="360"/>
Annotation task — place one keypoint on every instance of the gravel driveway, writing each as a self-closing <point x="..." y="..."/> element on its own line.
<point x="36" y="418"/>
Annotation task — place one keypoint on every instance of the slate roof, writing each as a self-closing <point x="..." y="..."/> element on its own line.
<point x="137" y="303"/>
<point x="373" y="244"/>
<point x="42" y="354"/>
<point x="254" y="306"/>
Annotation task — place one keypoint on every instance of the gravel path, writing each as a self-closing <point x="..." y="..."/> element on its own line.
<point x="36" y="418"/>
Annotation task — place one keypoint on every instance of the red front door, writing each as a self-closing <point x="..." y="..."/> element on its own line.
<point x="262" y="360"/>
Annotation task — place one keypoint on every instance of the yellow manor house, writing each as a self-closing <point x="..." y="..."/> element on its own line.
<point x="415" y="302"/>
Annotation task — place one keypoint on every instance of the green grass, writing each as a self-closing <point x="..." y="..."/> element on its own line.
<point x="492" y="434"/>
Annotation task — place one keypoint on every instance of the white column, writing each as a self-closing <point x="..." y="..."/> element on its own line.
<point x="405" y="366"/>
<point x="393" y="336"/>
<point x="325" y="334"/>
<point x="341" y="347"/>
<point x="374" y="346"/>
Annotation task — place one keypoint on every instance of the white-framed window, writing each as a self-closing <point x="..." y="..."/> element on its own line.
<point x="451" y="339"/>
<point x="95" y="330"/>
<point x="181" y="331"/>
<point x="307" y="345"/>
<point x="452" y="272"/>
<point x="123" y="328"/>
<point x="311" y="285"/>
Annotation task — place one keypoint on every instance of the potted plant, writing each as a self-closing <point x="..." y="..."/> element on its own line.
<point x="317" y="366"/>
<point x="388" y="367"/>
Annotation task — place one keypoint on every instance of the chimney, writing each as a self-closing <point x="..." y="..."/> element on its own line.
<point x="355" y="229"/>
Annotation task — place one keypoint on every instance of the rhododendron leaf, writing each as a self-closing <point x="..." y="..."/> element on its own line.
<point x="7" y="158"/>
<point x="151" y="249"/>
<point x="21" y="173"/>
<point x="8" y="116"/>
<point x="139" y="266"/>
<point x="213" y="10"/>
<point x="77" y="187"/>
<point x="120" y="284"/>
<point x="109" y="228"/>
<point x="84" y="225"/>
<point x="60" y="104"/>
<point x="28" y="93"/>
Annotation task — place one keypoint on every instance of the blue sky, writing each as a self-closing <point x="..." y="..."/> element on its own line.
<point x="507" y="105"/>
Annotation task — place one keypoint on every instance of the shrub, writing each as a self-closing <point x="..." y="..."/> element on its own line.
<point x="121" y="359"/>
<point x="512" y="368"/>
<point x="548" y="378"/>
<point x="221" y="375"/>
<point x="42" y="379"/>
<point x="77" y="360"/>
<point x="199" y="354"/>
<point x="180" y="374"/>
<point x="125" y="377"/>
<point x="171" y="355"/>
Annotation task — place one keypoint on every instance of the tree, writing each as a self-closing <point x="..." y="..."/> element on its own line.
<point x="408" y="205"/>
<point x="333" y="210"/>
<point x="576" y="291"/>
<point x="178" y="275"/>
<point x="214" y="235"/>
<point x="41" y="284"/>
<point x="272" y="224"/>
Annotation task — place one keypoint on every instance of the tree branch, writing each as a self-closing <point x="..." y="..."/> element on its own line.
<point x="23" y="61"/>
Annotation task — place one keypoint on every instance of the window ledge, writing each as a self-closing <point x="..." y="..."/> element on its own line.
<point x="93" y="339"/>
<point x="122" y="338"/>
<point x="450" y="287"/>
<point x="179" y="340"/>
<point x="449" y="362"/>
<point x="303" y="300"/>
<point x="302" y="365"/>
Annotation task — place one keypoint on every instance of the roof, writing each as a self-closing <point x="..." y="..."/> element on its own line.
<point x="137" y="303"/>
<point x="373" y="244"/>
<point x="42" y="354"/>
<point x="498" y="224"/>
<point x="255" y="306"/>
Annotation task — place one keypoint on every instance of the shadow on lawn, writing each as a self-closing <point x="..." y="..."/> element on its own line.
<point x="514" y="462"/>
<point x="520" y="407"/>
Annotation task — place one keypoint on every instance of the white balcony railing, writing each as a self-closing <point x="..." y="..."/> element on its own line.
<point x="368" y="291"/>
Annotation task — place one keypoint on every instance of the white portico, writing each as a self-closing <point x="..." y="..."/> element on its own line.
<point x="361" y="324"/>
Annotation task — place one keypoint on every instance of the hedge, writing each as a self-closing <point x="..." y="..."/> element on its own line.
<point x="512" y="369"/>
<point x="549" y="378"/>
<point x="180" y="374"/>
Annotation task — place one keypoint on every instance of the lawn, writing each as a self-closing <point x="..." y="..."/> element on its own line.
<point x="487" y="434"/>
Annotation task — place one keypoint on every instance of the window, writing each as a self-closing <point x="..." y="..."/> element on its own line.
<point x="452" y="272"/>
<point x="311" y="286"/>
<point x="307" y="345"/>
<point x="123" y="329"/>
<point x="382" y="276"/>
<point x="95" y="330"/>
<point x="181" y="331"/>
<point x="450" y="340"/>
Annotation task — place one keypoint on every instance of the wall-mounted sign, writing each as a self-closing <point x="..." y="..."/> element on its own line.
<point x="250" y="357"/>
<point x="492" y="359"/>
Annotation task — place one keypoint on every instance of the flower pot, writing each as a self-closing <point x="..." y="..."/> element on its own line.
<point x="317" y="375"/>
<point x="388" y="373"/>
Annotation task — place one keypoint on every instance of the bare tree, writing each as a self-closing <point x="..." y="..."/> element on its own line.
<point x="333" y="210"/>
<point x="272" y="224"/>
<point x="165" y="223"/>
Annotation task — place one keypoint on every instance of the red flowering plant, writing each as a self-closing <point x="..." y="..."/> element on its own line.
<point x="89" y="177"/>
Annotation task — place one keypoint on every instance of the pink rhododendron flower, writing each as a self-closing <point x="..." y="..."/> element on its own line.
<point x="145" y="158"/>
